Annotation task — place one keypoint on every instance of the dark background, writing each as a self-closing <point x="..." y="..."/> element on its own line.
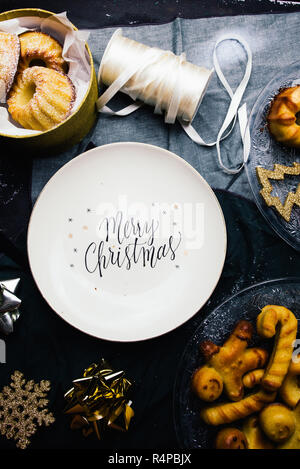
<point x="15" y="171"/>
<point x="97" y="13"/>
<point x="43" y="346"/>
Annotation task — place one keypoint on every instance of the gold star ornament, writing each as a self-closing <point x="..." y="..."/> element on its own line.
<point x="279" y="172"/>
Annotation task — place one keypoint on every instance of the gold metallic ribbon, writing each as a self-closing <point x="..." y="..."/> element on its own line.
<point x="99" y="399"/>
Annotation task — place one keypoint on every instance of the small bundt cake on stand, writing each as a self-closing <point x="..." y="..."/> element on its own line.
<point x="284" y="117"/>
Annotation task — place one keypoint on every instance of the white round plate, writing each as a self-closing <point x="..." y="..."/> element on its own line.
<point x="126" y="242"/>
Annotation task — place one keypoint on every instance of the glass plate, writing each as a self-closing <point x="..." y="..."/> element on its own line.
<point x="265" y="151"/>
<point x="191" y="431"/>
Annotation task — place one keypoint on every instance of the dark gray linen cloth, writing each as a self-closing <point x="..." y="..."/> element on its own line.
<point x="273" y="41"/>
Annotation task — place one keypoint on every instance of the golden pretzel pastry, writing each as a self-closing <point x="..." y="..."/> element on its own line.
<point x="227" y="413"/>
<point x="294" y="441"/>
<point x="207" y="383"/>
<point x="277" y="422"/>
<point x="254" y="377"/>
<point x="271" y="318"/>
<point x="254" y="435"/>
<point x="290" y="389"/>
<point x="228" y="364"/>
<point x="231" y="438"/>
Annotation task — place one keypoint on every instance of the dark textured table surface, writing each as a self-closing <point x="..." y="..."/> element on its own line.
<point x="98" y="13"/>
<point x="44" y="346"/>
<point x="55" y="351"/>
<point x="15" y="170"/>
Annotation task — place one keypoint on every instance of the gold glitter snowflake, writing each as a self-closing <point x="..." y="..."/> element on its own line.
<point x="22" y="408"/>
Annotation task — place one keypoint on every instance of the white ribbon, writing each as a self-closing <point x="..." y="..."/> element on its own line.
<point x="112" y="90"/>
<point x="150" y="56"/>
<point x="233" y="110"/>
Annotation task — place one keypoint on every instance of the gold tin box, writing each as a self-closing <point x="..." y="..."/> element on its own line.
<point x="71" y="130"/>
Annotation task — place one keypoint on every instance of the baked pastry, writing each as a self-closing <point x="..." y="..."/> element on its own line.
<point x="231" y="438"/>
<point x="231" y="411"/>
<point x="294" y="441"/>
<point x="277" y="422"/>
<point x="41" y="98"/>
<point x="283" y="119"/>
<point x="254" y="377"/>
<point x="290" y="389"/>
<point x="231" y="362"/>
<point x="264" y="175"/>
<point x="207" y="383"/>
<point x="9" y="58"/>
<point x="282" y="322"/>
<point x="254" y="434"/>
<point x="40" y="49"/>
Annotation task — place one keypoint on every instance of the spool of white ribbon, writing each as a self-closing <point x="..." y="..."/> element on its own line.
<point x="170" y="84"/>
<point x="153" y="76"/>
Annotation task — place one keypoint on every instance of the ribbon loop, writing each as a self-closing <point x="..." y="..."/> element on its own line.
<point x="233" y="110"/>
<point x="171" y="84"/>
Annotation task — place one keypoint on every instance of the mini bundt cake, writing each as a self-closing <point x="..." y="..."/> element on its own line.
<point x="283" y="118"/>
<point x="9" y="58"/>
<point x="40" y="49"/>
<point x="41" y="98"/>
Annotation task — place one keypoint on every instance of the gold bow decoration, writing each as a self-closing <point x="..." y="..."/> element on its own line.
<point x="99" y="400"/>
